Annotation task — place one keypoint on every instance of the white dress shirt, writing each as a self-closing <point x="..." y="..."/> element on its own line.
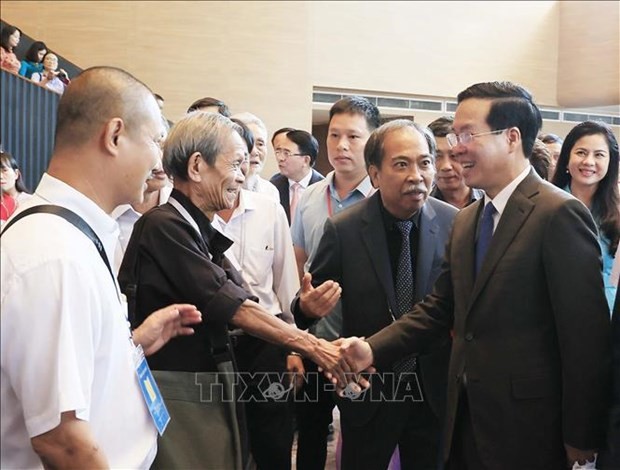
<point x="126" y="217"/>
<point x="500" y="201"/>
<point x="65" y="342"/>
<point x="260" y="185"/>
<point x="263" y="251"/>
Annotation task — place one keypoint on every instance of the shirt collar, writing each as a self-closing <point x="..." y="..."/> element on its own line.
<point x="364" y="187"/>
<point x="389" y="220"/>
<point x="216" y="242"/>
<point x="123" y="209"/>
<point x="247" y="202"/>
<point x="57" y="192"/>
<point x="500" y="201"/>
<point x="304" y="182"/>
<point x="60" y="193"/>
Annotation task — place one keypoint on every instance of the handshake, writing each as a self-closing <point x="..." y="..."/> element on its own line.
<point x="343" y="360"/>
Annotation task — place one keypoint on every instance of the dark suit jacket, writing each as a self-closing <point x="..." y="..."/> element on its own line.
<point x="532" y="331"/>
<point x="354" y="252"/>
<point x="281" y="182"/>
<point x="609" y="458"/>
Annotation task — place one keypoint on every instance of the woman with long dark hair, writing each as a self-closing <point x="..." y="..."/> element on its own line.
<point x="588" y="169"/>
<point x="33" y="62"/>
<point x="9" y="39"/>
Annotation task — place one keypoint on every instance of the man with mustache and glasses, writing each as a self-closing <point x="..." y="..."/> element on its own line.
<point x="382" y="274"/>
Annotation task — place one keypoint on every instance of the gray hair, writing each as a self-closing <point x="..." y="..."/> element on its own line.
<point x="373" y="151"/>
<point x="198" y="131"/>
<point x="249" y="118"/>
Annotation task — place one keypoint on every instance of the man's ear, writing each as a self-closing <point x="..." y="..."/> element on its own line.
<point x="112" y="131"/>
<point x="514" y="138"/>
<point x="373" y="172"/>
<point x="194" y="167"/>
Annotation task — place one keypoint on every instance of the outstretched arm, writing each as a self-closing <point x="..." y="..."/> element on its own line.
<point x="255" y="320"/>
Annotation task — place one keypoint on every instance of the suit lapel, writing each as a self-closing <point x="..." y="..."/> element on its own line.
<point x="316" y="177"/>
<point x="424" y="256"/>
<point x="462" y="253"/>
<point x="373" y="235"/>
<point x="515" y="214"/>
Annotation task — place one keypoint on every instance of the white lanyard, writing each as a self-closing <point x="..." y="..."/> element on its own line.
<point x="177" y="205"/>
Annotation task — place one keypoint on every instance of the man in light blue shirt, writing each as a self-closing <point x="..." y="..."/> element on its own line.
<point x="351" y="121"/>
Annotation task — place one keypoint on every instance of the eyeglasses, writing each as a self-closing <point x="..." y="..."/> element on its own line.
<point x="286" y="153"/>
<point x="466" y="137"/>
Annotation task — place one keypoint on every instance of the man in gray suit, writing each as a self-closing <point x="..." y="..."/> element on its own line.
<point x="522" y="291"/>
<point x="362" y="249"/>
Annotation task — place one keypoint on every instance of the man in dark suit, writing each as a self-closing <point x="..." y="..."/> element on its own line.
<point x="610" y="456"/>
<point x="296" y="152"/>
<point x="361" y="250"/>
<point x="521" y="288"/>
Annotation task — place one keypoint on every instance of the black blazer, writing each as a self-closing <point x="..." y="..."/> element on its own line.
<point x="354" y="252"/>
<point x="532" y="331"/>
<point x="281" y="182"/>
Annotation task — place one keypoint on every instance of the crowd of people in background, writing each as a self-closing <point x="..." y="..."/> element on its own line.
<point x="462" y="258"/>
<point x="39" y="64"/>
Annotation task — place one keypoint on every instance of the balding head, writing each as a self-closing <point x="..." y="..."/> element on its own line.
<point x="93" y="98"/>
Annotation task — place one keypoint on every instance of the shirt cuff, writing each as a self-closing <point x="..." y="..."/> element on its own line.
<point x="226" y="302"/>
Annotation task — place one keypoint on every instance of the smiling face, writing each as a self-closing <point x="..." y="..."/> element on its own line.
<point x="158" y="178"/>
<point x="406" y="174"/>
<point x="346" y="137"/>
<point x="486" y="160"/>
<point x="589" y="161"/>
<point x="141" y="153"/>
<point x="222" y="182"/>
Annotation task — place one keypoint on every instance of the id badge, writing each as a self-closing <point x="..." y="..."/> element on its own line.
<point x="150" y="392"/>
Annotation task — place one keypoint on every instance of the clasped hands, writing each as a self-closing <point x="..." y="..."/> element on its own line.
<point x="343" y="360"/>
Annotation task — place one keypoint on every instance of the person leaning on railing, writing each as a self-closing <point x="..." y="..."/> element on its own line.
<point x="9" y="39"/>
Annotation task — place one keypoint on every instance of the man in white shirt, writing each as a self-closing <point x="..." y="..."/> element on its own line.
<point x="253" y="180"/>
<point x="70" y="395"/>
<point x="158" y="189"/>
<point x="296" y="152"/>
<point x="263" y="253"/>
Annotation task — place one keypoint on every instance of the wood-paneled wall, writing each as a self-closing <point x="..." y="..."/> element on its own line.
<point x="265" y="56"/>
<point x="589" y="55"/>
